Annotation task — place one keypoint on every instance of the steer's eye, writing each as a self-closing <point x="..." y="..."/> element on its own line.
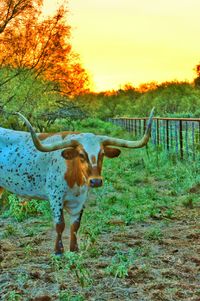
<point x="82" y="157"/>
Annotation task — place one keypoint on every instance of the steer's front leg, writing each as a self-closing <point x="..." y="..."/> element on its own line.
<point x="73" y="233"/>
<point x="59" y="249"/>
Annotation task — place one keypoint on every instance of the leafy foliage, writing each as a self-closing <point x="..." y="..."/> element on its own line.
<point x="13" y="12"/>
<point x="23" y="209"/>
<point x="32" y="44"/>
<point x="169" y="99"/>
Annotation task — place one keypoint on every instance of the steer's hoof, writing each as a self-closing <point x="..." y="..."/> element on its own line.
<point x="59" y="249"/>
<point x="74" y="249"/>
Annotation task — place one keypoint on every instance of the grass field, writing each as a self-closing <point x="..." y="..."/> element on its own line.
<point x="139" y="238"/>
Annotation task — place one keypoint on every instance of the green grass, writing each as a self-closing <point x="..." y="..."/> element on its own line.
<point x="136" y="188"/>
<point x="20" y="210"/>
<point x="121" y="262"/>
<point x="13" y="296"/>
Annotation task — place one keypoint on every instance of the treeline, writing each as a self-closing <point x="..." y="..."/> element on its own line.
<point x="170" y="99"/>
<point x="43" y="78"/>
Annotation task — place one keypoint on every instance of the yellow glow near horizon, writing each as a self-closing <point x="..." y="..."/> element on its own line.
<point x="131" y="41"/>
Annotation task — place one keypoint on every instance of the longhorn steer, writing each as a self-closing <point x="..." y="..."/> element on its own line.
<point x="58" y="167"/>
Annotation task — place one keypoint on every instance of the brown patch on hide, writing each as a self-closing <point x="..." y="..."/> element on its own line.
<point x="95" y="172"/>
<point x="76" y="172"/>
<point x="93" y="159"/>
<point x="59" y="230"/>
<point x="1" y="191"/>
<point x="100" y="162"/>
<point x="73" y="236"/>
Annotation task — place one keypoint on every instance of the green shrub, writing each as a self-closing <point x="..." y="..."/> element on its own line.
<point x="91" y="125"/>
<point x="21" y="210"/>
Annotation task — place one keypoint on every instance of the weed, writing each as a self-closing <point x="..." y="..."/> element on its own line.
<point x="75" y="263"/>
<point x="118" y="267"/>
<point x="56" y="262"/>
<point x="94" y="251"/>
<point x="10" y="230"/>
<point x="13" y="296"/>
<point x="188" y="202"/>
<point x="67" y="296"/>
<point x="121" y="263"/>
<point x="28" y="250"/>
<point x="21" y="210"/>
<point x="154" y="234"/>
<point x="72" y="263"/>
<point x="21" y="279"/>
<point x="169" y="213"/>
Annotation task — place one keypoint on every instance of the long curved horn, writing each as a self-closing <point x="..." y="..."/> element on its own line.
<point x="46" y="147"/>
<point x="130" y="144"/>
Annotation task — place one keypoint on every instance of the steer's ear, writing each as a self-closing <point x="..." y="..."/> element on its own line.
<point x="111" y="152"/>
<point x="69" y="154"/>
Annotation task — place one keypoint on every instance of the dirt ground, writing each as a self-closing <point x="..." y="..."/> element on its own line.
<point x="167" y="266"/>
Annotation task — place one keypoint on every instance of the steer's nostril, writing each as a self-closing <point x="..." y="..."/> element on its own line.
<point x="96" y="182"/>
<point x="92" y="181"/>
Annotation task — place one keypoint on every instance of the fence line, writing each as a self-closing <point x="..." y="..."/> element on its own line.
<point x="175" y="135"/>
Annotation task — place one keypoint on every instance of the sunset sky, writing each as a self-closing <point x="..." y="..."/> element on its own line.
<point x="134" y="41"/>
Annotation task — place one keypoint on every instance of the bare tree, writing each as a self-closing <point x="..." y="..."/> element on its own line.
<point x="11" y="10"/>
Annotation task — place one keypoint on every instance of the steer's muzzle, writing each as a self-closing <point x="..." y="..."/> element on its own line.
<point x="95" y="182"/>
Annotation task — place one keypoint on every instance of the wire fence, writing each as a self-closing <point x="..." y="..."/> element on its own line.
<point x="180" y="136"/>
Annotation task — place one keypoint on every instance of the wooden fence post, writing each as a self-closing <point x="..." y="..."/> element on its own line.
<point x="135" y="127"/>
<point x="181" y="137"/>
<point x="144" y="125"/>
<point x="167" y="133"/>
<point x="199" y="132"/>
<point x="158" y="132"/>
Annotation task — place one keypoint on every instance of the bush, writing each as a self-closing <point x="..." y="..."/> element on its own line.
<point x="21" y="210"/>
<point x="91" y="125"/>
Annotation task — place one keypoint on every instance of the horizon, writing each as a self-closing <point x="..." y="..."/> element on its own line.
<point x="151" y="43"/>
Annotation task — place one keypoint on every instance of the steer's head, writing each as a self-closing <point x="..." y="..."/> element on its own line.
<point x="84" y="153"/>
<point x="87" y="158"/>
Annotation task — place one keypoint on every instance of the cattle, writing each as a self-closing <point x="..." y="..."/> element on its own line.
<point x="58" y="167"/>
